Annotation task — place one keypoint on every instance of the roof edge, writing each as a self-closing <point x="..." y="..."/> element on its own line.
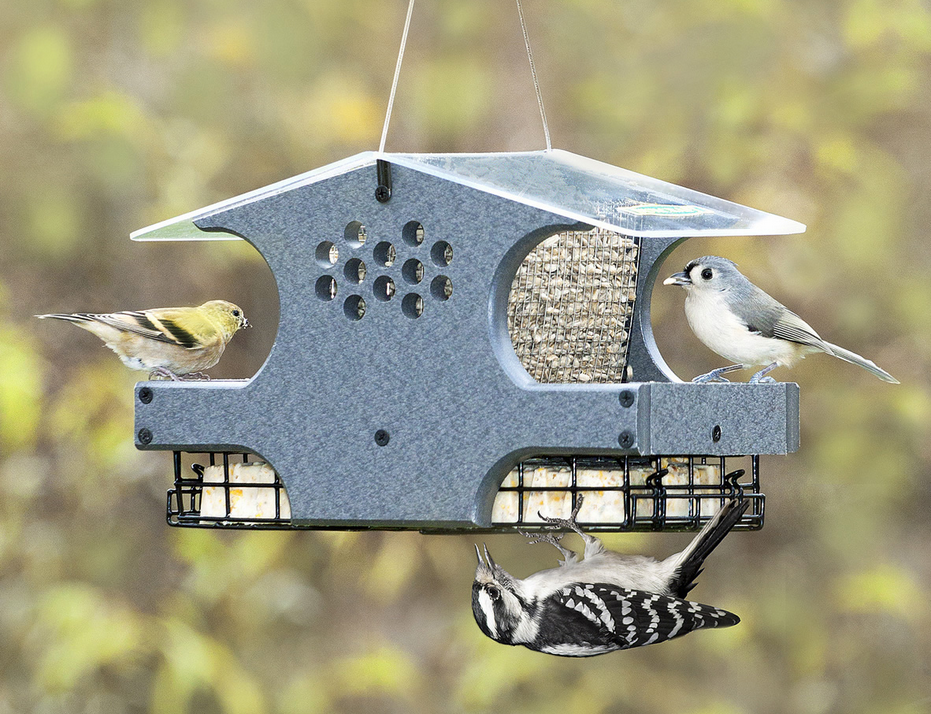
<point x="624" y="219"/>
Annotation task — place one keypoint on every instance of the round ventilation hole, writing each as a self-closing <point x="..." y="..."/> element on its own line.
<point x="412" y="305"/>
<point x="412" y="271"/>
<point x="384" y="288"/>
<point x="326" y="254"/>
<point x="354" y="270"/>
<point x="325" y="287"/>
<point x="354" y="307"/>
<point x="413" y="233"/>
<point x="441" y="253"/>
<point x="441" y="288"/>
<point x="355" y="234"/>
<point x="385" y="254"/>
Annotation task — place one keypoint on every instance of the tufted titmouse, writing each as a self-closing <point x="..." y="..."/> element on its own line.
<point x="738" y="321"/>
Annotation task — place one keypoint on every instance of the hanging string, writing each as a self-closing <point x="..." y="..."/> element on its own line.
<point x="397" y="73"/>
<point x="536" y="83"/>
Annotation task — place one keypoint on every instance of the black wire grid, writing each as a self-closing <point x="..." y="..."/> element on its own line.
<point x="648" y="506"/>
<point x="186" y="497"/>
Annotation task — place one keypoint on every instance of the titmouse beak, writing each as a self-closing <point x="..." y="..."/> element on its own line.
<point x="678" y="279"/>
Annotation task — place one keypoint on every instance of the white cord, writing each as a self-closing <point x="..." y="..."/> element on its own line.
<point x="397" y="73"/>
<point x="533" y="72"/>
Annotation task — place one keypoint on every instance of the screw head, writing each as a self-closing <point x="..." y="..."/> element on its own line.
<point x="145" y="436"/>
<point x="145" y="395"/>
<point x="626" y="398"/>
<point x="382" y="194"/>
<point x="626" y="439"/>
<point x="716" y="433"/>
<point x="382" y="437"/>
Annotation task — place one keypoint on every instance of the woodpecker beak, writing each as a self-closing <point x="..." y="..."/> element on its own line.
<point x="483" y="567"/>
<point x="488" y="557"/>
<point x="488" y="568"/>
<point x="681" y="279"/>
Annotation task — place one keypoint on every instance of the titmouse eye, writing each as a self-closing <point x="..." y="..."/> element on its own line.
<point x="707" y="274"/>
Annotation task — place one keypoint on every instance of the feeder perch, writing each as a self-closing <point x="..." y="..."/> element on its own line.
<point x="465" y="339"/>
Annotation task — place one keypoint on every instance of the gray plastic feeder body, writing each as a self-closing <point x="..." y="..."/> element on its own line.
<point x="400" y="420"/>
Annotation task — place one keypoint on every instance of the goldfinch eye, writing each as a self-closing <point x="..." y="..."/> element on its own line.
<point x="707" y="274"/>
<point x="493" y="592"/>
<point x="235" y="313"/>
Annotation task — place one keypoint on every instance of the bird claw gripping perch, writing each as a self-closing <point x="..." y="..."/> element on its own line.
<point x="761" y="378"/>
<point x="534" y="538"/>
<point x="570" y="522"/>
<point x="715" y="375"/>
<point x="164" y="372"/>
<point x="553" y="540"/>
<point x="197" y="377"/>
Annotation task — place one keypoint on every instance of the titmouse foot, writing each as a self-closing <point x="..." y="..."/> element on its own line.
<point x="715" y="374"/>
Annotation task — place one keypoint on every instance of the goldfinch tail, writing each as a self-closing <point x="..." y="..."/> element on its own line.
<point x="78" y="317"/>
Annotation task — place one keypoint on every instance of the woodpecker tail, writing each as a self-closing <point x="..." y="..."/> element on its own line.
<point x="691" y="559"/>
<point x="856" y="359"/>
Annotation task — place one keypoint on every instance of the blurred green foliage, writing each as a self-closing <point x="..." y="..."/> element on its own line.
<point x="117" y="115"/>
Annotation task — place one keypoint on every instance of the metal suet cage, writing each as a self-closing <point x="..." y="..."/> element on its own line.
<point x="465" y="340"/>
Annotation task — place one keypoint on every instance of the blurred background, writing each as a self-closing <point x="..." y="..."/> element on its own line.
<point x="115" y="115"/>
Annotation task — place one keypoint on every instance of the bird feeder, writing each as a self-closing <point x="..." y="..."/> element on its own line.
<point x="464" y="340"/>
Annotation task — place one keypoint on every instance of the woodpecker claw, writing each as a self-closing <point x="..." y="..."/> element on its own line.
<point x="570" y="522"/>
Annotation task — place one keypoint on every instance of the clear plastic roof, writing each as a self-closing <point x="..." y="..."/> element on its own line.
<point x="558" y="181"/>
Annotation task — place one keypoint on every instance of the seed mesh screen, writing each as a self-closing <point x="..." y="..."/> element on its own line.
<point x="570" y="307"/>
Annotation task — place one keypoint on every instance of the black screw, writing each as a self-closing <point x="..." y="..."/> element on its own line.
<point x="382" y="194"/>
<point x="382" y="437"/>
<point x="626" y="439"/>
<point x="716" y="434"/>
<point x="145" y="395"/>
<point x="145" y="436"/>
<point x="627" y="398"/>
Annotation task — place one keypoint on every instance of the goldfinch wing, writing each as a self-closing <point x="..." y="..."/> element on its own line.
<point x="185" y="326"/>
<point x="175" y="326"/>
<point x="129" y="321"/>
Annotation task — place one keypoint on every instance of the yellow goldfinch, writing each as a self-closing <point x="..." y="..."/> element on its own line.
<point x="169" y="342"/>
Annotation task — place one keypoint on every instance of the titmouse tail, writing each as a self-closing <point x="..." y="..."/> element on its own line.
<point x="856" y="359"/>
<point x="690" y="560"/>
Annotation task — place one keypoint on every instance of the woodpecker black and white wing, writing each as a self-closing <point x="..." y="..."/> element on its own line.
<point x="592" y="619"/>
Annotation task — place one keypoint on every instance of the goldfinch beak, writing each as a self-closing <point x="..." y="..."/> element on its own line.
<point x="678" y="279"/>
